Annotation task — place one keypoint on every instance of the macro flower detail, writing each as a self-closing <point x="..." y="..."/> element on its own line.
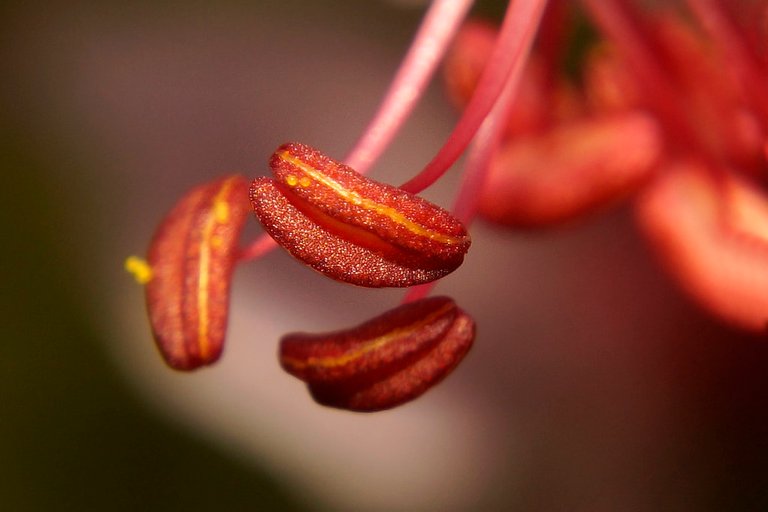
<point x="189" y="268"/>
<point x="654" y="113"/>
<point x="384" y="362"/>
<point x="702" y="78"/>
<point x="352" y="228"/>
<point x="666" y="107"/>
<point x="560" y="158"/>
<point x="349" y="228"/>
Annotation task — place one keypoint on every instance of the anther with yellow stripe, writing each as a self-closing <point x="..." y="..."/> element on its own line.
<point x="383" y="362"/>
<point x="352" y="228"/>
<point x="188" y="272"/>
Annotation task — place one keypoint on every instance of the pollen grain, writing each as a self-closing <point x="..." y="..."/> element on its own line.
<point x="139" y="268"/>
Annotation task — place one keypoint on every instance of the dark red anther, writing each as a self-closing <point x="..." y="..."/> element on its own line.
<point x="354" y="229"/>
<point x="385" y="361"/>
<point x="189" y="269"/>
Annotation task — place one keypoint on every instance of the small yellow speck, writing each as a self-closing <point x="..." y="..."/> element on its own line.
<point x="221" y="211"/>
<point x="305" y="182"/>
<point x="291" y="180"/>
<point x="216" y="241"/>
<point x="140" y="269"/>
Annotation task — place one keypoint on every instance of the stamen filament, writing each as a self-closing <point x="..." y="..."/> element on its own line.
<point x="429" y="45"/>
<point x="484" y="146"/>
<point x="427" y="49"/>
<point x="517" y="32"/>
<point x="258" y="248"/>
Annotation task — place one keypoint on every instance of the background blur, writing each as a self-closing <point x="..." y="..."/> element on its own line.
<point x="594" y="384"/>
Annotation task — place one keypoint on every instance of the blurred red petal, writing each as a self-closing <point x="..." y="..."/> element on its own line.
<point x="571" y="170"/>
<point x="609" y="84"/>
<point x="713" y="94"/>
<point x="712" y="235"/>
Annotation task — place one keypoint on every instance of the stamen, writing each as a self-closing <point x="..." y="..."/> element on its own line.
<point x="484" y="146"/>
<point x="515" y="38"/>
<point x="440" y="24"/>
<point x="429" y="45"/>
<point x="258" y="248"/>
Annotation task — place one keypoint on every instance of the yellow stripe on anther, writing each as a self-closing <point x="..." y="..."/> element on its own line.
<point x="221" y="211"/>
<point x="355" y="198"/>
<point x="204" y="266"/>
<point x="139" y="268"/>
<point x="366" y="346"/>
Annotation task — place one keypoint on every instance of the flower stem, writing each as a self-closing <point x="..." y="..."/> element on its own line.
<point x="484" y="146"/>
<point x="517" y="33"/>
<point x="258" y="248"/>
<point x="429" y="45"/>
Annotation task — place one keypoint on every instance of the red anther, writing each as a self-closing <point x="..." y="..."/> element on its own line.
<point x="191" y="259"/>
<point x="352" y="228"/>
<point x="385" y="361"/>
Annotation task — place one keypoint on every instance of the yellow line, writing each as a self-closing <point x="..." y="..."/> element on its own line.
<point x="203" y="325"/>
<point x="356" y="199"/>
<point x="368" y="346"/>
